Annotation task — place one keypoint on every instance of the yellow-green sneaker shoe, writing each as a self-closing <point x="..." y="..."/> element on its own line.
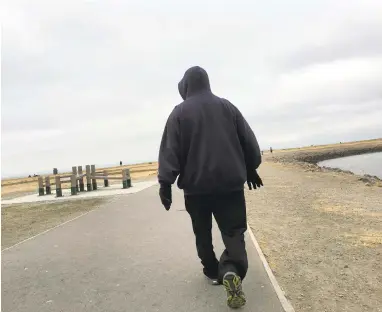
<point x="235" y="295"/>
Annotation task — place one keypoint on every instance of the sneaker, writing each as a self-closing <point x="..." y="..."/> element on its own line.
<point x="212" y="279"/>
<point x="235" y="295"/>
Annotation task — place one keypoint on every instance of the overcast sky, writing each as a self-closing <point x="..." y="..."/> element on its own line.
<point x="88" y="82"/>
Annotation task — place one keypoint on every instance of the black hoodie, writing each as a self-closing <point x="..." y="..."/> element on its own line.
<point x="206" y="141"/>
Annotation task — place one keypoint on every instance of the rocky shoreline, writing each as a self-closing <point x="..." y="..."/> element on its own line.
<point x="308" y="158"/>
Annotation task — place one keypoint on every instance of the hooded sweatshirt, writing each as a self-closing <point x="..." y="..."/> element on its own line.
<point x="207" y="144"/>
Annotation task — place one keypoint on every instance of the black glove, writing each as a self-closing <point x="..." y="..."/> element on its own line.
<point x="254" y="180"/>
<point x="165" y="195"/>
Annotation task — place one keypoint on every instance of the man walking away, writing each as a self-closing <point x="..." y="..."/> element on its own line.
<point x="210" y="146"/>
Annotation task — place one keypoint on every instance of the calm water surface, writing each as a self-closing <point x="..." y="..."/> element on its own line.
<point x="359" y="164"/>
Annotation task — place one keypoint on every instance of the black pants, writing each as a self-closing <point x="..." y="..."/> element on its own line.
<point x="229" y="211"/>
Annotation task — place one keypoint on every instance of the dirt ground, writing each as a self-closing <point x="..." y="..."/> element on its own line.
<point x="321" y="232"/>
<point x="21" y="221"/>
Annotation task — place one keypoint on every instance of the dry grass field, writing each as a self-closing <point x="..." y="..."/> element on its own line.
<point x="21" y="221"/>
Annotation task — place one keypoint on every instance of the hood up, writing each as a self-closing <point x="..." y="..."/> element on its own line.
<point x="194" y="81"/>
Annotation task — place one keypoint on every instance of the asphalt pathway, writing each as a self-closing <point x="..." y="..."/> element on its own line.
<point x="129" y="255"/>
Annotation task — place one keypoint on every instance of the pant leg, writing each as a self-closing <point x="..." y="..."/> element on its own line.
<point x="201" y="217"/>
<point x="230" y="214"/>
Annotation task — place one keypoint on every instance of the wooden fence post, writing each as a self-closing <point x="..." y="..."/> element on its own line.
<point x="40" y="186"/>
<point x="74" y="171"/>
<point x="80" y="172"/>
<point x="88" y="179"/>
<point x="48" y="189"/>
<point x="106" y="181"/>
<point x="73" y="184"/>
<point x="128" y="178"/>
<point x="58" y="186"/>
<point x="124" y="178"/>
<point x="94" y="181"/>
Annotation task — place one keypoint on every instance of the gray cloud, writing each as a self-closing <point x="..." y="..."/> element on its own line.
<point x="361" y="40"/>
<point x="100" y="78"/>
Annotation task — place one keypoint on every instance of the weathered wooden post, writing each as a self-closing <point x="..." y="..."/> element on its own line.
<point x="73" y="184"/>
<point x="58" y="186"/>
<point x="80" y="172"/>
<point x="88" y="179"/>
<point x="48" y="189"/>
<point x="124" y="178"/>
<point x="106" y="181"/>
<point x="74" y="171"/>
<point x="55" y="171"/>
<point x="40" y="186"/>
<point x="128" y="177"/>
<point x="94" y="180"/>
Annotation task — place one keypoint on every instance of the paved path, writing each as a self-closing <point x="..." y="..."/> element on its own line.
<point x="130" y="255"/>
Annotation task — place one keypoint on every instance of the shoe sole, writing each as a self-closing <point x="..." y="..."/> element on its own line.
<point x="236" y="298"/>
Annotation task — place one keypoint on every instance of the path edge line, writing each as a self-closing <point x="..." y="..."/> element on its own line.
<point x="48" y="230"/>
<point x="279" y="292"/>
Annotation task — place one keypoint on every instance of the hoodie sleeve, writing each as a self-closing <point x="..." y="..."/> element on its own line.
<point x="248" y="143"/>
<point x="169" y="151"/>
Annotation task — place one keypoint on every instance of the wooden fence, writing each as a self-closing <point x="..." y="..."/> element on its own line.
<point x="76" y="179"/>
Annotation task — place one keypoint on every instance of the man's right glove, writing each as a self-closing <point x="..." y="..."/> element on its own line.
<point x="165" y="195"/>
<point x="254" y="180"/>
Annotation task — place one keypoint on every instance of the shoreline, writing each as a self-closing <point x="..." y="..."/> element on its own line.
<point x="309" y="157"/>
<point x="316" y="154"/>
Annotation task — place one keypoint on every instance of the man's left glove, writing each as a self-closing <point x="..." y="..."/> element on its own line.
<point x="165" y="195"/>
<point x="254" y="180"/>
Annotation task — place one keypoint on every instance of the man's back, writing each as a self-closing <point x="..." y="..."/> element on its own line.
<point x="206" y="141"/>
<point x="214" y="157"/>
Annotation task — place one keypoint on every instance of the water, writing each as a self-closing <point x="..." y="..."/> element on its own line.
<point x="359" y="164"/>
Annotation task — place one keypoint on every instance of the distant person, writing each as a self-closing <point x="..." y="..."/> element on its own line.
<point x="120" y="163"/>
<point x="271" y="150"/>
<point x="210" y="146"/>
